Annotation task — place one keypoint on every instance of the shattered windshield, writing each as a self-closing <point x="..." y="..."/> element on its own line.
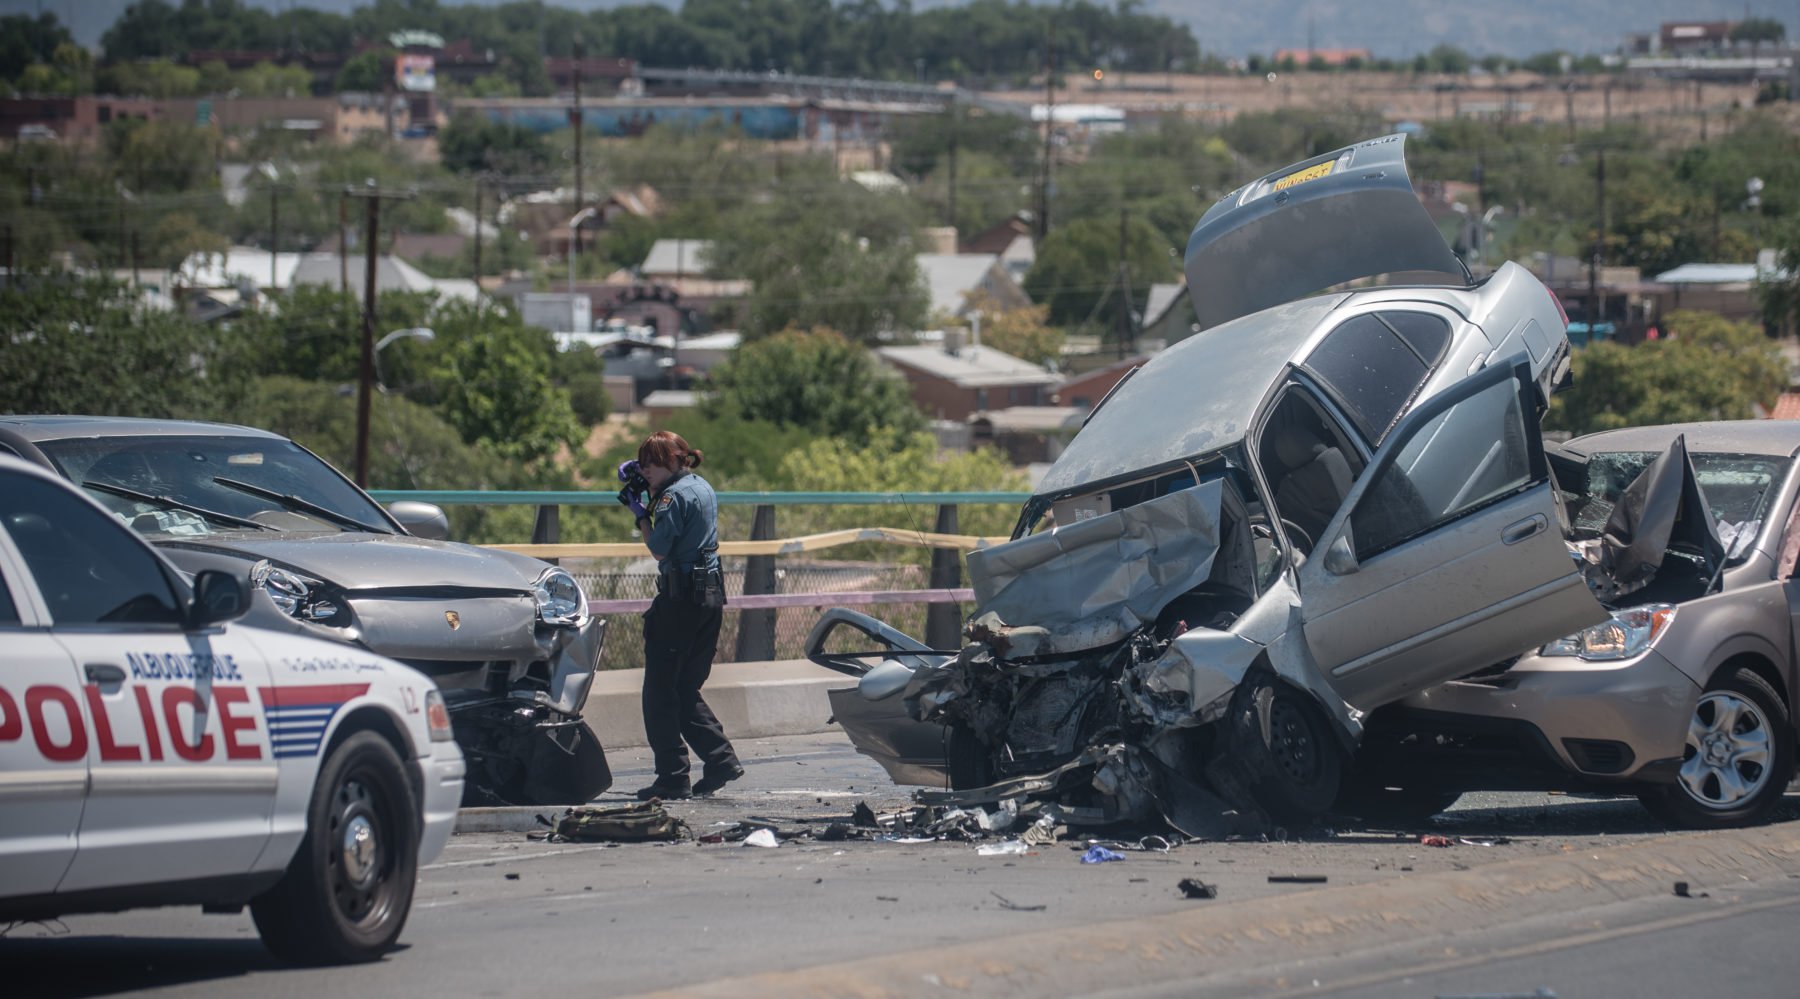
<point x="1737" y="487"/>
<point x="189" y="486"/>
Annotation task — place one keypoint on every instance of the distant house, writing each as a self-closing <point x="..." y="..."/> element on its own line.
<point x="1326" y="57"/>
<point x="1084" y="391"/>
<point x="1026" y="434"/>
<point x="1728" y="289"/>
<point x="249" y="270"/>
<point x="672" y="259"/>
<point x="1010" y="241"/>
<point x="1168" y="315"/>
<point x="954" y="280"/>
<point x="416" y="247"/>
<point x="953" y="382"/>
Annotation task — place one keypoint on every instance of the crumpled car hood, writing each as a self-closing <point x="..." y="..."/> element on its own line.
<point x="366" y="561"/>
<point x="1080" y="586"/>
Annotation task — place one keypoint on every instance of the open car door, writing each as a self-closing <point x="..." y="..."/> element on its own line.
<point x="873" y="712"/>
<point x="1448" y="554"/>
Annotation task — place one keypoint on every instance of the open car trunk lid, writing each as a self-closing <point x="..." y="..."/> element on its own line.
<point x="1334" y="218"/>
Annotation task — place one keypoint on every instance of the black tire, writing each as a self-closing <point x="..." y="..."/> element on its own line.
<point x="1702" y="796"/>
<point x="324" y="910"/>
<point x="1292" y="767"/>
<point x="967" y="759"/>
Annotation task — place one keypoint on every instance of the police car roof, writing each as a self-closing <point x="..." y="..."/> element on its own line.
<point x="51" y="428"/>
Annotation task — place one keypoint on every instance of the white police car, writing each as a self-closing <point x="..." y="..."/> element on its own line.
<point x="160" y="746"/>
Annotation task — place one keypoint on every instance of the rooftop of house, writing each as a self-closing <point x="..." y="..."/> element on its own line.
<point x="678" y="256"/>
<point x="970" y="367"/>
<point x="950" y="277"/>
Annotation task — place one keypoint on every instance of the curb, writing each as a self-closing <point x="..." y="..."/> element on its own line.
<point x="751" y="700"/>
<point x="1184" y="946"/>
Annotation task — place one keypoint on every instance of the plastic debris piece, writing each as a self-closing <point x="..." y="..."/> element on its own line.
<point x="890" y="838"/>
<point x="713" y="838"/>
<point x="1297" y="879"/>
<point x="1099" y="855"/>
<point x="512" y="877"/>
<point x="1196" y="888"/>
<point x="1492" y="841"/>
<point x="863" y="815"/>
<point x="1004" y="848"/>
<point x="1431" y="840"/>
<point x="763" y="838"/>
<point x="1042" y="832"/>
<point x="1009" y="904"/>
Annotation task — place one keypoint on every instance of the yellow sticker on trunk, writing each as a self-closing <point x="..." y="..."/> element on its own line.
<point x="1302" y="176"/>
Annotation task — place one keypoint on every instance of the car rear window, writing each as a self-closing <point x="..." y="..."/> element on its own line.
<point x="1374" y="364"/>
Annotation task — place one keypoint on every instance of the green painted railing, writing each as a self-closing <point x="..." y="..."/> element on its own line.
<point x="444" y="497"/>
<point x="756" y="632"/>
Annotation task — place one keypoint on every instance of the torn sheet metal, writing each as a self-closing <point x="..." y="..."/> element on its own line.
<point x="1079" y="586"/>
<point x="1663" y="506"/>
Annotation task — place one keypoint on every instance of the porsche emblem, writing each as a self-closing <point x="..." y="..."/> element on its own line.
<point x="453" y="619"/>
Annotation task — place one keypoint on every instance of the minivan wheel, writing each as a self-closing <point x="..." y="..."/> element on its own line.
<point x="1283" y="749"/>
<point x="1737" y="761"/>
<point x="348" y="890"/>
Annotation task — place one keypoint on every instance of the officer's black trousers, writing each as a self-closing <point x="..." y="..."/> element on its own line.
<point x="680" y="638"/>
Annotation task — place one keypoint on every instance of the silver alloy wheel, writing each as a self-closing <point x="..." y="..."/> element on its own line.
<point x="1728" y="751"/>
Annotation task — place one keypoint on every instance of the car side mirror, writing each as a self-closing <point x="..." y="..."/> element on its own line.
<point x="218" y="597"/>
<point x="1340" y="557"/>
<point x="421" y="520"/>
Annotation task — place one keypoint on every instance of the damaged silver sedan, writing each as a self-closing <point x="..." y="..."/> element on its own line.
<point x="1306" y="511"/>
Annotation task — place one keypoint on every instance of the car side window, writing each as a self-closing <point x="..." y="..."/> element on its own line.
<point x="1473" y="453"/>
<point x="90" y="568"/>
<point x="1375" y="365"/>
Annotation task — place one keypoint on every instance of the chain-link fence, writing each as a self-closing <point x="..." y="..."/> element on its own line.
<point x="617" y="579"/>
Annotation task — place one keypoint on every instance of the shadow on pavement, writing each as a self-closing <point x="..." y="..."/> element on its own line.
<point x="72" y="965"/>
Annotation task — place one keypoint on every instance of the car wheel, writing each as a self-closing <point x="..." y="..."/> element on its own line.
<point x="347" y="892"/>
<point x="967" y="759"/>
<point x="1283" y="749"/>
<point x="1738" y="759"/>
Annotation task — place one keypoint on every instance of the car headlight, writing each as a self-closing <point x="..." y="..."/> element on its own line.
<point x="1629" y="633"/>
<point x="559" y="598"/>
<point x="300" y="596"/>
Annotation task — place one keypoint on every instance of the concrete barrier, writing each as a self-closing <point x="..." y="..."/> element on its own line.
<point x="752" y="700"/>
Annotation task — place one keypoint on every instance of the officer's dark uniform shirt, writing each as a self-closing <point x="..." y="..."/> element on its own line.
<point x="684" y="526"/>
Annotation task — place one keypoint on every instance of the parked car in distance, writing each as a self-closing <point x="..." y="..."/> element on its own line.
<point x="160" y="745"/>
<point x="1684" y="696"/>
<point x="506" y="637"/>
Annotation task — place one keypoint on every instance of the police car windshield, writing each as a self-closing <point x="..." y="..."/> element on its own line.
<point x="185" y="470"/>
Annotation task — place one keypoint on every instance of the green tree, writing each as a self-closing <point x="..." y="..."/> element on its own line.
<point x="154" y="78"/>
<point x="364" y="72"/>
<point x="817" y="381"/>
<point x="1022" y="332"/>
<point x="1779" y="292"/>
<point x="834" y="255"/>
<point x="88" y="346"/>
<point x="470" y="143"/>
<point x="1705" y="368"/>
<point x="492" y="374"/>
<point x="25" y="40"/>
<point x="1077" y="270"/>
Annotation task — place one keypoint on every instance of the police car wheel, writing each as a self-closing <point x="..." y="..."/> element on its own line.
<point x="348" y="890"/>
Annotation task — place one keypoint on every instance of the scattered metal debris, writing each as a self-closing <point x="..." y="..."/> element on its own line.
<point x="1009" y="904"/>
<point x="1196" y="888"/>
<point x="1298" y="879"/>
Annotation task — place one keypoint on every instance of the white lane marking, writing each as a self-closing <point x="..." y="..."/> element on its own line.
<point x="446" y="903"/>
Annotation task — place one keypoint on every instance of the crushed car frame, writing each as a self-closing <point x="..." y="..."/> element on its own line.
<point x="1307" y="510"/>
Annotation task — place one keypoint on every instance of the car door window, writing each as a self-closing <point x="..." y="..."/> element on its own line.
<point x="90" y="569"/>
<point x="1375" y="364"/>
<point x="1472" y="454"/>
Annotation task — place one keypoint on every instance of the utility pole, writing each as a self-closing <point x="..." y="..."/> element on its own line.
<point x="575" y="120"/>
<point x="366" y="379"/>
<point x="134" y="260"/>
<point x="1594" y="261"/>
<point x="1043" y="219"/>
<point x="478" y="239"/>
<point x="344" y="242"/>
<point x="1124" y="335"/>
<point x="274" y="230"/>
<point x="955" y="129"/>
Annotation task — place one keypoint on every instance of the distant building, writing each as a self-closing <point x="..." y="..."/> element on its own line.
<point x="1694" y="37"/>
<point x="953" y="382"/>
<point x="1328" y="57"/>
<point x="953" y="281"/>
<point x="1084" y="391"/>
<point x="1011" y="241"/>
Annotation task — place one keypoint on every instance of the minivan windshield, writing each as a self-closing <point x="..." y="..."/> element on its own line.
<point x="1737" y="487"/>
<point x="183" y="486"/>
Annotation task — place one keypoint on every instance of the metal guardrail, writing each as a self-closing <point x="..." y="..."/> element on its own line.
<point x="757" y="607"/>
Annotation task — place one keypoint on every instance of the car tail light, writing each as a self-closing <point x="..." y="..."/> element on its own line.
<point x="437" y="717"/>
<point x="1560" y="311"/>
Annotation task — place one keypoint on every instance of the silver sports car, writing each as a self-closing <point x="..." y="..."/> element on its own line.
<point x="1314" y="507"/>
<point x="1684" y="696"/>
<point x="508" y="638"/>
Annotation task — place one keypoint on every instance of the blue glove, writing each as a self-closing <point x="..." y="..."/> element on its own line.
<point x="627" y="469"/>
<point x="635" y="500"/>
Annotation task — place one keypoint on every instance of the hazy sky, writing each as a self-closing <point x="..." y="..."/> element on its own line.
<point x="1393" y="28"/>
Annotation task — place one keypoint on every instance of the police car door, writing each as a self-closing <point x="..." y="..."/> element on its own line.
<point x="43" y="745"/>
<point x="182" y="785"/>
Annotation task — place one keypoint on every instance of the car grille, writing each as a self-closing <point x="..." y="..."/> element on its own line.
<point x="1599" y="756"/>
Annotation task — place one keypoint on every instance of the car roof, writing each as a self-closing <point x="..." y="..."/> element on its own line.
<point x="1775" y="438"/>
<point x="53" y="428"/>
<point x="1193" y="398"/>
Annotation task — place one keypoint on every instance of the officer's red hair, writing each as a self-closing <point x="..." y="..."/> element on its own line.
<point x="666" y="449"/>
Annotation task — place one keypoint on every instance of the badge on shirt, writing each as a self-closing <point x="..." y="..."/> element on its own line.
<point x="665" y="503"/>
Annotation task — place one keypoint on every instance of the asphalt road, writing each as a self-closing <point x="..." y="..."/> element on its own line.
<point x="498" y="914"/>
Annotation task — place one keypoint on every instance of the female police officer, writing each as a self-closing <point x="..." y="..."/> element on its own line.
<point x="681" y="628"/>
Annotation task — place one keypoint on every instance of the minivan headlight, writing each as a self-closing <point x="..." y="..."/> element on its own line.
<point x="1627" y="634"/>
<point x="559" y="598"/>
